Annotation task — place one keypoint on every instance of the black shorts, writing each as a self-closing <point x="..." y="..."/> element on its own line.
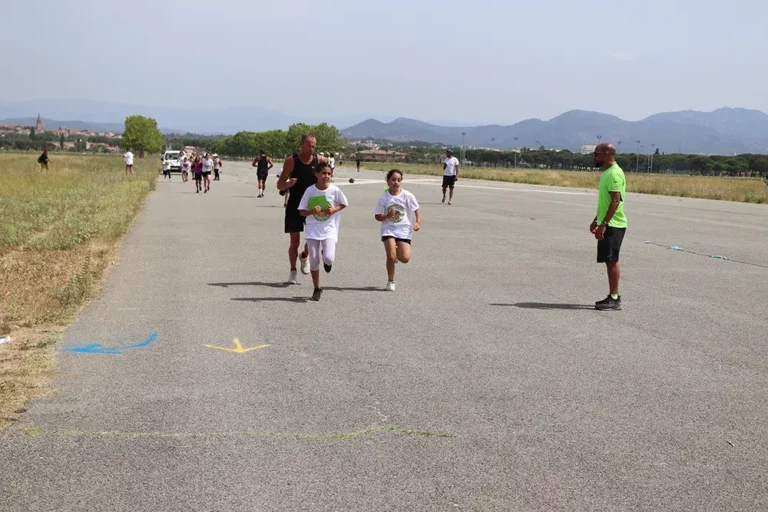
<point x="294" y="221"/>
<point x="262" y="177"/>
<point x="609" y="247"/>
<point x="404" y="240"/>
<point x="198" y="177"/>
<point x="449" y="181"/>
<point x="206" y="173"/>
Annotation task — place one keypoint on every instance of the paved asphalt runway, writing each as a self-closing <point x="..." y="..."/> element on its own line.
<point x="486" y="382"/>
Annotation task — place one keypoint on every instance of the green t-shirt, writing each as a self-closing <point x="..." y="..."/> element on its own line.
<point x="612" y="180"/>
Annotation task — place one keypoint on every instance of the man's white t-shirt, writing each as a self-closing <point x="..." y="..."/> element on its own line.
<point x="129" y="158"/>
<point x="320" y="227"/>
<point x="450" y="166"/>
<point x="405" y="205"/>
<point x="332" y="162"/>
<point x="207" y="165"/>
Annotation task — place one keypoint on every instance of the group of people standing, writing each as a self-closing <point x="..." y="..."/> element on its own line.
<point x="315" y="203"/>
<point x="200" y="167"/>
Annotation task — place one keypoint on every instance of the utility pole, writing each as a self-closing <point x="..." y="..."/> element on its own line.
<point x="463" y="158"/>
<point x="637" y="165"/>
<point x="538" y="145"/>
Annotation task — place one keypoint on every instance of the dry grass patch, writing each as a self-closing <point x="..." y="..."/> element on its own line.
<point x="748" y="190"/>
<point x="60" y="231"/>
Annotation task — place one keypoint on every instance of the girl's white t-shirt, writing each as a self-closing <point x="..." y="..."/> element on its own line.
<point x="321" y="227"/>
<point x="405" y="205"/>
<point x="207" y="165"/>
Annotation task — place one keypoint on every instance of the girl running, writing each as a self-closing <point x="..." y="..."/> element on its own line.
<point x="395" y="211"/>
<point x="321" y="204"/>
<point x="197" y="169"/>
<point x="184" y="169"/>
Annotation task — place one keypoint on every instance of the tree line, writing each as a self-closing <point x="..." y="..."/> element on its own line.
<point x="707" y="165"/>
<point x="276" y="143"/>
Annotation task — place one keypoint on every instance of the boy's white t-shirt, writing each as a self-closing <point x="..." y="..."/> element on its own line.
<point x="322" y="227"/>
<point x="450" y="166"/>
<point x="129" y="158"/>
<point x="405" y="204"/>
<point x="166" y="165"/>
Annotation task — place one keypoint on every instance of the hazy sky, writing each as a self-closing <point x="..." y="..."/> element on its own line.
<point x="478" y="61"/>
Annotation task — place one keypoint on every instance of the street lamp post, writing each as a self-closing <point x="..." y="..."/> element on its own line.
<point x="637" y="165"/>
<point x="650" y="158"/>
<point x="516" y="150"/>
<point x="538" y="145"/>
<point x="599" y="138"/>
<point x="463" y="134"/>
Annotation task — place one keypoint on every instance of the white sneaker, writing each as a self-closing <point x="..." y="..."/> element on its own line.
<point x="304" y="265"/>
<point x="292" y="278"/>
<point x="390" y="286"/>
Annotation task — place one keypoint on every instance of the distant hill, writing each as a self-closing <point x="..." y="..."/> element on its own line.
<point x="52" y="124"/>
<point x="723" y="131"/>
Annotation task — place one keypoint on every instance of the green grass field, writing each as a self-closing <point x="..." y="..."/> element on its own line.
<point x="748" y="190"/>
<point x="59" y="233"/>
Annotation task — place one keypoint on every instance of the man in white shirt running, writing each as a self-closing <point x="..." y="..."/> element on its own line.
<point x="450" y="173"/>
<point x="128" y="162"/>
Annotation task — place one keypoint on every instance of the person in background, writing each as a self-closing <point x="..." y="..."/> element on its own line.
<point x="450" y="173"/>
<point x="216" y="167"/>
<point x="43" y="160"/>
<point x="263" y="164"/>
<point x="207" y="169"/>
<point x="128" y="162"/>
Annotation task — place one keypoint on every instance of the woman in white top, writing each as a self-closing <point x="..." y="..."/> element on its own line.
<point x="207" y="168"/>
<point x="321" y="204"/>
<point x="399" y="214"/>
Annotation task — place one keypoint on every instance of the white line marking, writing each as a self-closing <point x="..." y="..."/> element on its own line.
<point x="482" y="187"/>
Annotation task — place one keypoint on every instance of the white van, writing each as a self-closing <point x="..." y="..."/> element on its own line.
<point x="174" y="158"/>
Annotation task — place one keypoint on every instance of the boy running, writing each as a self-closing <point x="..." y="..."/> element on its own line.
<point x="321" y="204"/>
<point x="166" y="169"/>
<point x="395" y="210"/>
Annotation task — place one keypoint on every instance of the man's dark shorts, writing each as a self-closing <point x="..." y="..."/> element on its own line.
<point x="609" y="247"/>
<point x="449" y="181"/>
<point x="294" y="222"/>
<point x="262" y="176"/>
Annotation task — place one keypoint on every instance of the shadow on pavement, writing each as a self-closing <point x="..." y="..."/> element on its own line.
<point x="353" y="289"/>
<point x="542" y="305"/>
<point x="273" y="299"/>
<point x="252" y="283"/>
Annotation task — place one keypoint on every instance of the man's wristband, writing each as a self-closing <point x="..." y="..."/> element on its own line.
<point x="603" y="224"/>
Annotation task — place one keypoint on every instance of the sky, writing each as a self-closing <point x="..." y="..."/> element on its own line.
<point x="478" y="61"/>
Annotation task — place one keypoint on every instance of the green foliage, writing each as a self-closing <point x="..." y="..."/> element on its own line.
<point x="278" y="143"/>
<point x="142" y="136"/>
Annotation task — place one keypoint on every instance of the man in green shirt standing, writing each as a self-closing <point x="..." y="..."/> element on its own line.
<point x="610" y="224"/>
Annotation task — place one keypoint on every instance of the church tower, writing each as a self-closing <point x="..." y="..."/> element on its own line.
<point x="39" y="128"/>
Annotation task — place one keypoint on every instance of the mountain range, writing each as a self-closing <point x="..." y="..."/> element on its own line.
<point x="170" y="120"/>
<point x="723" y="131"/>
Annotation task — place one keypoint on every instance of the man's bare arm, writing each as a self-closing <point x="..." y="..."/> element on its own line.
<point x="283" y="183"/>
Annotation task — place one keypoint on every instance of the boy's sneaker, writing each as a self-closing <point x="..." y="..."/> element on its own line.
<point x="304" y="265"/>
<point x="292" y="277"/>
<point x="327" y="267"/>
<point x="443" y="200"/>
<point x="608" y="304"/>
<point x="390" y="286"/>
<point x="316" y="294"/>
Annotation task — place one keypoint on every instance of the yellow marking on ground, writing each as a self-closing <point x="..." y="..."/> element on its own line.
<point x="238" y="347"/>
